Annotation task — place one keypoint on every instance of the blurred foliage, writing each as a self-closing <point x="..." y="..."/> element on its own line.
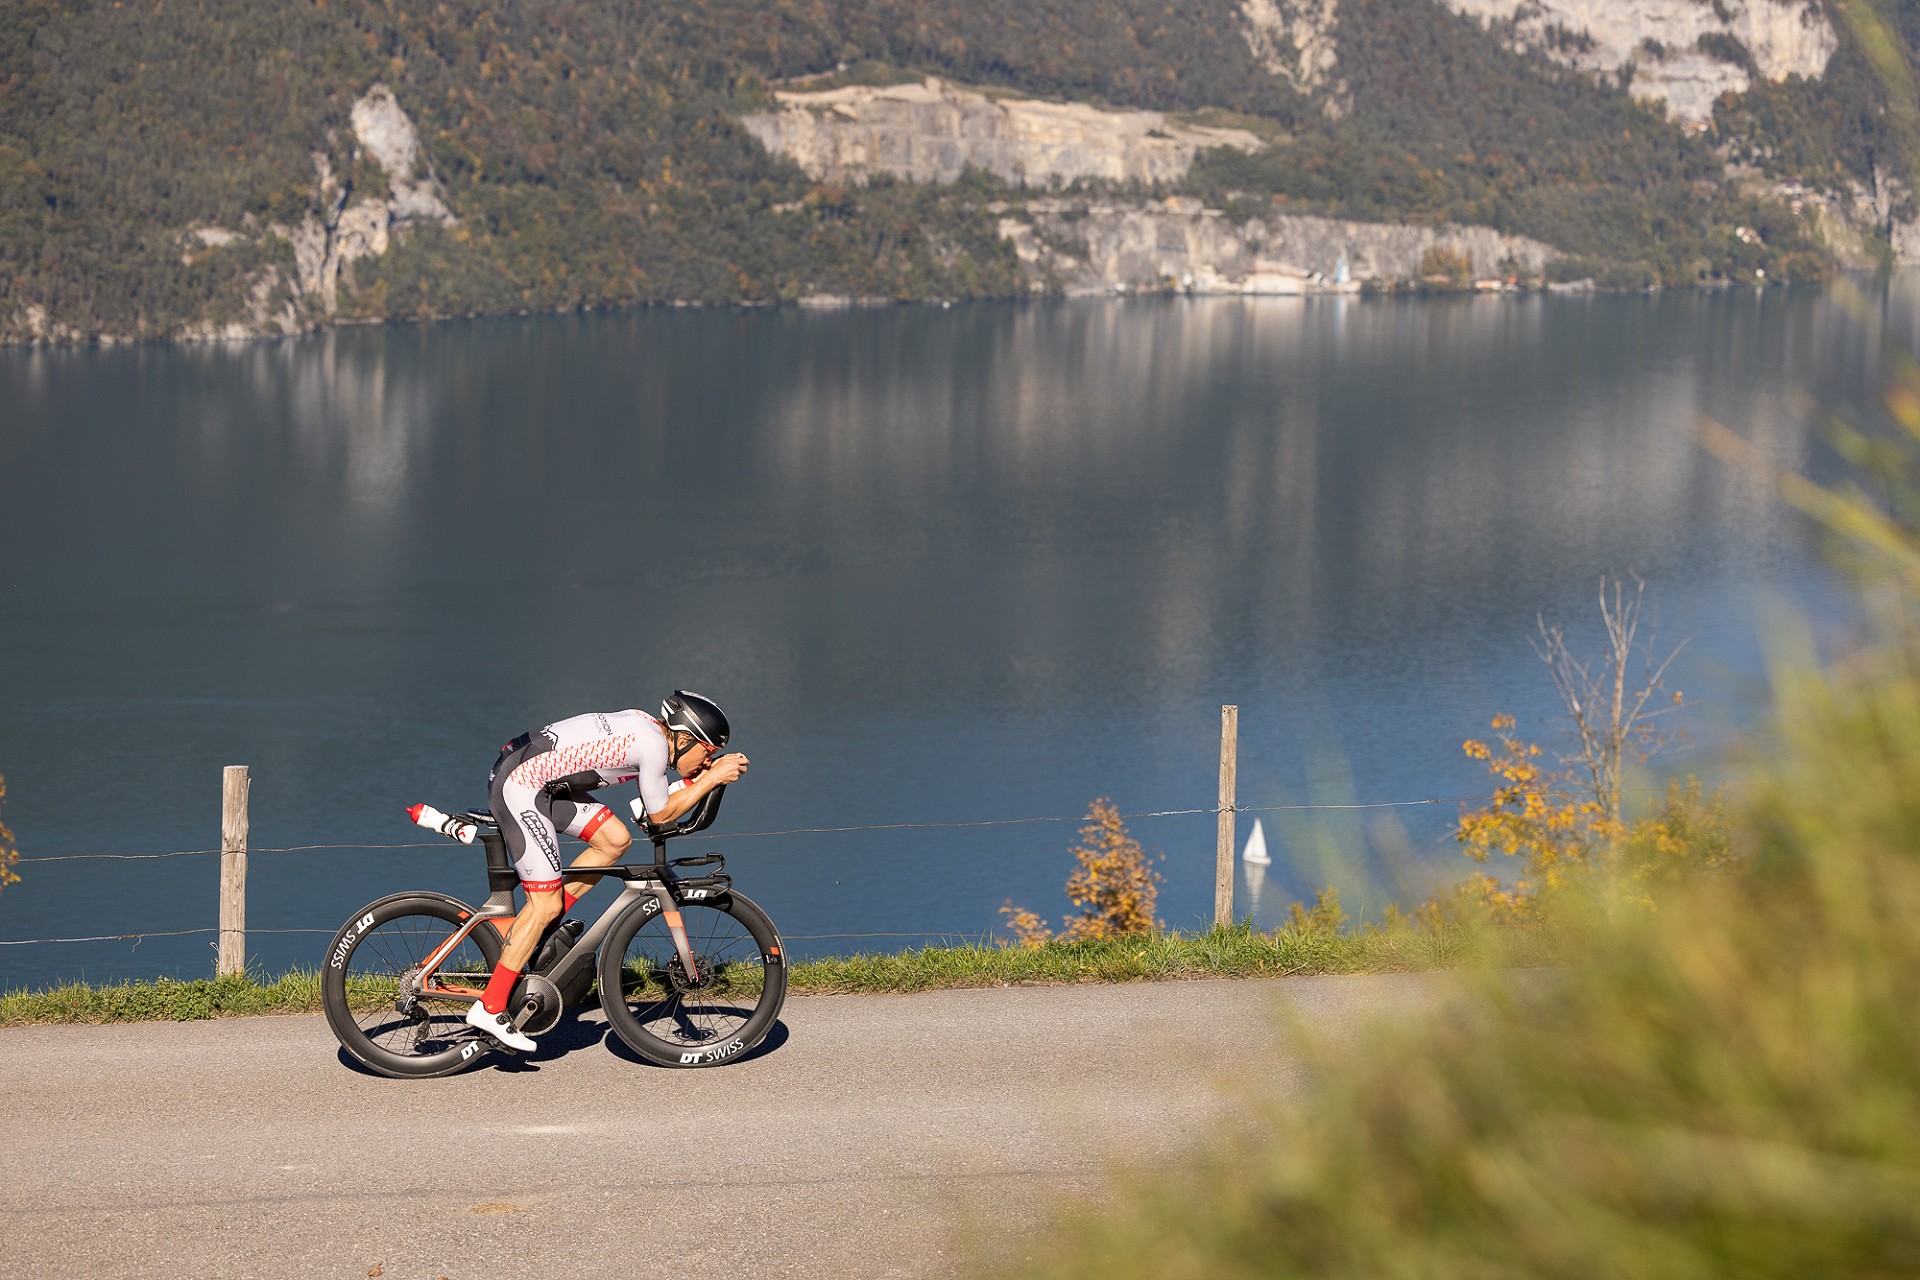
<point x="1113" y="884"/>
<point x="593" y="156"/>
<point x="1728" y="1086"/>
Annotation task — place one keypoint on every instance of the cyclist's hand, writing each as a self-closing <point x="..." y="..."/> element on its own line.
<point x="727" y="768"/>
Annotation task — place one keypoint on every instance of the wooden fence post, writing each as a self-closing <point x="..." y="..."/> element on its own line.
<point x="234" y="784"/>
<point x="1223" y="852"/>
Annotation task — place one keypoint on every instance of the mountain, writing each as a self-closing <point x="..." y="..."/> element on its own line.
<point x="214" y="168"/>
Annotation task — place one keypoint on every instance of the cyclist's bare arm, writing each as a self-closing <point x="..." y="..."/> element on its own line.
<point x="718" y="773"/>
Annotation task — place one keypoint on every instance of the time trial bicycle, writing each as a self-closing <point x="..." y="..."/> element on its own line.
<point x="690" y="973"/>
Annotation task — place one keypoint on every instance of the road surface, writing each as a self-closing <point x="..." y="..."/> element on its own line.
<point x="876" y="1137"/>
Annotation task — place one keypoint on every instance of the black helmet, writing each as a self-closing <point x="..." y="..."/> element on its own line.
<point x="696" y="715"/>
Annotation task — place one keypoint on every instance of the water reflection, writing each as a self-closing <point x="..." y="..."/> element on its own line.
<point x="1277" y="464"/>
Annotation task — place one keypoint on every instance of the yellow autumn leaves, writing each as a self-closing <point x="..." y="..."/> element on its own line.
<point x="1564" y="837"/>
<point x="9" y="852"/>
<point x="1112" y="883"/>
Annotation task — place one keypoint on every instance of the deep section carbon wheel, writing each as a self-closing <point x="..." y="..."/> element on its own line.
<point x="372" y="993"/>
<point x="675" y="1019"/>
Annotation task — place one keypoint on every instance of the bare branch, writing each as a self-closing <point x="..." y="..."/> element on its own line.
<point x="1608" y="715"/>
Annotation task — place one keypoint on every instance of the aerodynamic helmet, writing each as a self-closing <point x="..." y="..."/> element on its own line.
<point x="696" y="715"/>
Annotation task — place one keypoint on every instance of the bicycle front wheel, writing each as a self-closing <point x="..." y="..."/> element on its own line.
<point x="724" y="1010"/>
<point x="373" y="996"/>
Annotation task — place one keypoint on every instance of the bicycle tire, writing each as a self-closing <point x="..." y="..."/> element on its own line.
<point x="361" y="982"/>
<point x="743" y="981"/>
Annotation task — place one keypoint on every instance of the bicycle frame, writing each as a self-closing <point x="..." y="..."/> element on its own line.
<point x="655" y="884"/>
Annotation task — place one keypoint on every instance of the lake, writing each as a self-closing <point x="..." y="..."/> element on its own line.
<point x="940" y="565"/>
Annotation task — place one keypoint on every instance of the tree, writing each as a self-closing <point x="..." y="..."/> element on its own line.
<point x="1610" y="717"/>
<point x="9" y="851"/>
<point x="1113" y="885"/>
<point x="1566" y="823"/>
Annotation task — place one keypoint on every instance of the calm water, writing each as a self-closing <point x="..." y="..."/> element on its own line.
<point x="939" y="565"/>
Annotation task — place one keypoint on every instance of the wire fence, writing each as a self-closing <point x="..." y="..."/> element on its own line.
<point x="135" y="937"/>
<point x="444" y="845"/>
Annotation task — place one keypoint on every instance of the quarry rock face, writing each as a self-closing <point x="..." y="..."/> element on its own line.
<point x="1682" y="54"/>
<point x="932" y="131"/>
<point x="1101" y="247"/>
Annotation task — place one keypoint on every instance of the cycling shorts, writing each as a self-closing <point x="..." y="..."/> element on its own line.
<point x="531" y="814"/>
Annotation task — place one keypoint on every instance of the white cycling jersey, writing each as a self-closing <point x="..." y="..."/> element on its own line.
<point x="600" y="749"/>
<point x="539" y="784"/>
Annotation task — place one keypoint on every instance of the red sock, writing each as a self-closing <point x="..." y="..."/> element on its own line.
<point x="499" y="988"/>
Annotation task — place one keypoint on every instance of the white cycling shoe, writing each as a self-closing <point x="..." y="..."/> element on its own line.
<point x="499" y="1026"/>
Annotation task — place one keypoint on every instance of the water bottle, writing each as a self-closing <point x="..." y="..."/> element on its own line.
<point x="434" y="820"/>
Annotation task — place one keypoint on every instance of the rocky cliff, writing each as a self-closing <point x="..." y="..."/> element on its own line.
<point x="933" y="130"/>
<point x="1682" y="54"/>
<point x="343" y="225"/>
<point x="1086" y="247"/>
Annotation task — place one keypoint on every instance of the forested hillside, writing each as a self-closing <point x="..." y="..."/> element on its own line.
<point x="590" y="154"/>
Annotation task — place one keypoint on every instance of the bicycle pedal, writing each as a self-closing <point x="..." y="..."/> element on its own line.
<point x="486" y="1041"/>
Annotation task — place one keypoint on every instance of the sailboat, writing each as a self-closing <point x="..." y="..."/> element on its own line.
<point x="1256" y="851"/>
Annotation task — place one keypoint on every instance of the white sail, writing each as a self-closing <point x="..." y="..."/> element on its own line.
<point x="1256" y="850"/>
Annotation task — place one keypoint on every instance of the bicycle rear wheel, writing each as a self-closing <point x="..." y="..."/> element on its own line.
<point x="371" y="991"/>
<point x="727" y="1009"/>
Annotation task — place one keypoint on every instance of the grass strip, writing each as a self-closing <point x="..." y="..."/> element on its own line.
<point x="1239" y="952"/>
<point x="165" y="999"/>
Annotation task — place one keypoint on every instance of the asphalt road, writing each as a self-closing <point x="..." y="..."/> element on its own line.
<point x="878" y="1136"/>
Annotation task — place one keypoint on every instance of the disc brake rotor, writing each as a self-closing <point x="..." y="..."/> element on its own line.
<point x="702" y="979"/>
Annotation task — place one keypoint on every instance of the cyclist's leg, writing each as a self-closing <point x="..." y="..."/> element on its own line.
<point x="538" y="862"/>
<point x="542" y="909"/>
<point x="584" y="818"/>
<point x="525" y="814"/>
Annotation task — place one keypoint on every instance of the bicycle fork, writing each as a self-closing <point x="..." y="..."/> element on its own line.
<point x="670" y="912"/>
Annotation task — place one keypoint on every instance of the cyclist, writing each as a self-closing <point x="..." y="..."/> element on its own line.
<point x="541" y="786"/>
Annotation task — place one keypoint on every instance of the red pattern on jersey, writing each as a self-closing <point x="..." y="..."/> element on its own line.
<point x="609" y="754"/>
